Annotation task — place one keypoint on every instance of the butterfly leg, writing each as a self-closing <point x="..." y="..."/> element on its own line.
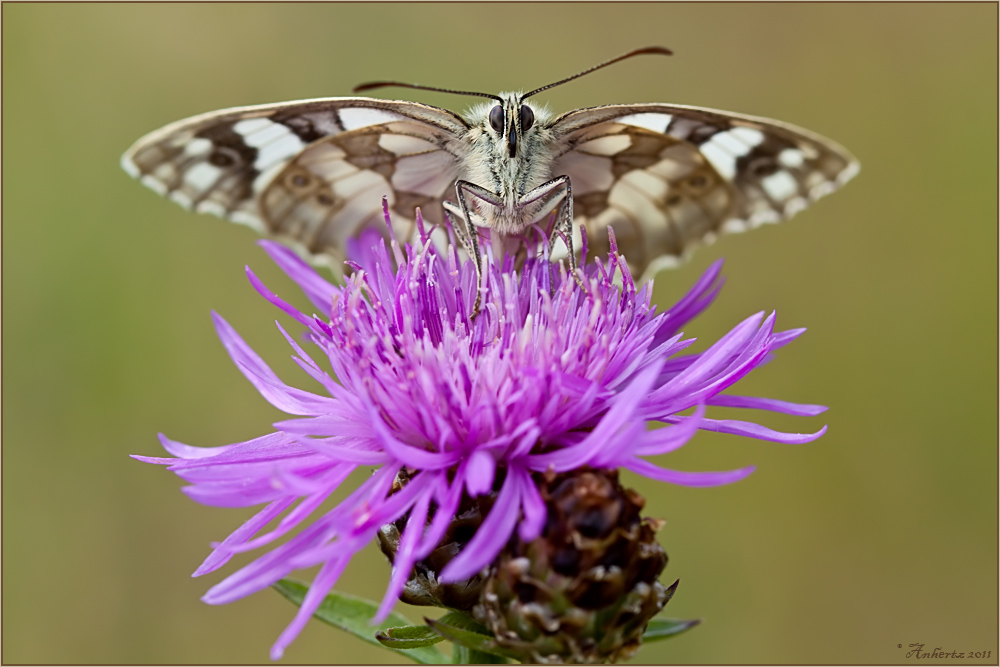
<point x="472" y="239"/>
<point x="560" y="189"/>
<point x="458" y="224"/>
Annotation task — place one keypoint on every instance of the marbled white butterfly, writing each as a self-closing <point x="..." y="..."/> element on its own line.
<point x="665" y="177"/>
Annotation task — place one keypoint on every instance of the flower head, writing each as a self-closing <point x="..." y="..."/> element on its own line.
<point x="548" y="377"/>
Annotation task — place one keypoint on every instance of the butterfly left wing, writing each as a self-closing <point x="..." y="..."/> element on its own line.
<point x="227" y="162"/>
<point x="668" y="177"/>
<point x="332" y="189"/>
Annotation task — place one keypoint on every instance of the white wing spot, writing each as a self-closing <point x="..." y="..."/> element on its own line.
<point x="274" y="141"/>
<point x="794" y="206"/>
<point x="154" y="184"/>
<point x="791" y="158"/>
<point x="248" y="219"/>
<point x="670" y="169"/>
<point x="211" y="207"/>
<point x="359" y="182"/>
<point x="352" y="119"/>
<point x="265" y="135"/>
<point x="202" y="176"/>
<point x="849" y="172"/>
<point x="723" y="161"/>
<point x="326" y="160"/>
<point x="627" y="196"/>
<point x="250" y="125"/>
<point x="333" y="170"/>
<point x="265" y="177"/>
<point x="400" y="144"/>
<point x="780" y="185"/>
<point x="653" y="187"/>
<point x="748" y="135"/>
<point x="277" y="150"/>
<point x="735" y="226"/>
<point x="130" y="167"/>
<point x="821" y="190"/>
<point x="198" y="146"/>
<point x="609" y="145"/>
<point x="366" y="202"/>
<point x="764" y="217"/>
<point x="166" y="172"/>
<point x="657" y="122"/>
<point x="181" y="198"/>
<point x="814" y="178"/>
<point x="729" y="143"/>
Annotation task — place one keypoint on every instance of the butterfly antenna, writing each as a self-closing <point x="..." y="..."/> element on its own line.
<point x="649" y="50"/>
<point x="398" y="84"/>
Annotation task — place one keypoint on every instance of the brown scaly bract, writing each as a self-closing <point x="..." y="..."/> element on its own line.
<point x="584" y="591"/>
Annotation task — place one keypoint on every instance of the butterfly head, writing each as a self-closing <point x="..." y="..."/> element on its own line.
<point x="509" y="123"/>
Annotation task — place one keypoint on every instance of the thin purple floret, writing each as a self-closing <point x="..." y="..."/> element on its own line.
<point x="547" y="377"/>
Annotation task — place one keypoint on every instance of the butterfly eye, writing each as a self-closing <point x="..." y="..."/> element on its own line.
<point x="527" y="117"/>
<point x="496" y="118"/>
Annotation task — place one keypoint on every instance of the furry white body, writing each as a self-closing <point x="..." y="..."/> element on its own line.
<point x="487" y="162"/>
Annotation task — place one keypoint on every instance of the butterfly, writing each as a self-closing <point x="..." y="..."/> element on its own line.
<point x="665" y="177"/>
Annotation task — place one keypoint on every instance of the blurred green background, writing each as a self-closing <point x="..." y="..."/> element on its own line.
<point x="882" y="533"/>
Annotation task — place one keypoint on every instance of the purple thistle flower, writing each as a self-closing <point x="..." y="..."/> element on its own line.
<point x="546" y="377"/>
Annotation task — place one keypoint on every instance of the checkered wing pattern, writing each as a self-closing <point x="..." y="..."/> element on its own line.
<point x="667" y="178"/>
<point x="312" y="172"/>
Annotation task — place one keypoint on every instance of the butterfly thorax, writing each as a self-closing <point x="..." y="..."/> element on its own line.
<point x="507" y="167"/>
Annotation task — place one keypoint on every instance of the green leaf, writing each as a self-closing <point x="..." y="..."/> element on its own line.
<point x="462" y="655"/>
<point x="353" y="614"/>
<point x="466" y="656"/>
<point x="408" y="636"/>
<point x="463" y="621"/>
<point x="663" y="628"/>
<point x="475" y="641"/>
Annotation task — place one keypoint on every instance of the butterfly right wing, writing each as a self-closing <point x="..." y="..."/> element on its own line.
<point x="224" y="162"/>
<point x="669" y="177"/>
